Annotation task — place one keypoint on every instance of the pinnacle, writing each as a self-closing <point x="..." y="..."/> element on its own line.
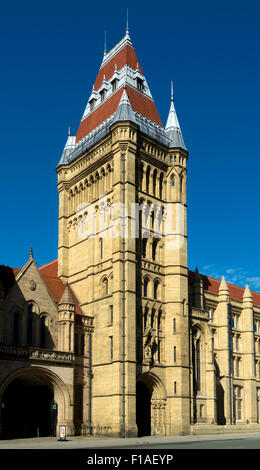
<point x="67" y="296"/>
<point x="223" y="285"/>
<point x="197" y="275"/>
<point x="247" y="293"/>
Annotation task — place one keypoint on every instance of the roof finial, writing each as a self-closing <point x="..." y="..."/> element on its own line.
<point x="105" y="43"/>
<point x="31" y="253"/>
<point x="68" y="131"/>
<point x="127" y="25"/>
<point x="172" y="97"/>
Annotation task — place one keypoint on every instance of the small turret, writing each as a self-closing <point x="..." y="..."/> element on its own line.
<point x="172" y="128"/>
<point x="223" y="291"/>
<point x="66" y="321"/>
<point x="247" y="296"/>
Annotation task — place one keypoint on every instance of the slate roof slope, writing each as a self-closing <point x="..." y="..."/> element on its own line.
<point x="121" y="71"/>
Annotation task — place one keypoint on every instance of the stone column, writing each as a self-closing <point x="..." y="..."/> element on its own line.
<point x="247" y="326"/>
<point x="223" y="354"/>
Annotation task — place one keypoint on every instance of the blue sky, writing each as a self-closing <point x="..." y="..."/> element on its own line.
<point x="50" y="54"/>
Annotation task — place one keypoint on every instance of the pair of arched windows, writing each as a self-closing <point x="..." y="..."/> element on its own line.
<point x="156" y="286"/>
<point x="154" y="248"/>
<point x="30" y="327"/>
<point x="155" y="192"/>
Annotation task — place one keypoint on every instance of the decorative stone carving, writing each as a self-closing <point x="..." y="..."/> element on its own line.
<point x="32" y="284"/>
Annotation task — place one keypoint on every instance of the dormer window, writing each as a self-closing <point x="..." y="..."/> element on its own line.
<point x="91" y="104"/>
<point x="102" y="95"/>
<point x="139" y="84"/>
<point x="114" y="84"/>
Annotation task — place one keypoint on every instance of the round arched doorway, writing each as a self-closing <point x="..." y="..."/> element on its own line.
<point x="28" y="408"/>
<point x="150" y="405"/>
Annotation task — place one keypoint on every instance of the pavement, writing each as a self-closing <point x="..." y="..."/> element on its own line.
<point x="147" y="442"/>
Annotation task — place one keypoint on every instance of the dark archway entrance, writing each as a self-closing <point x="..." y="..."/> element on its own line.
<point x="27" y="408"/>
<point x="143" y="409"/>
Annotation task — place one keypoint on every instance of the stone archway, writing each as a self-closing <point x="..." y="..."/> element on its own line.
<point x="150" y="405"/>
<point x="34" y="401"/>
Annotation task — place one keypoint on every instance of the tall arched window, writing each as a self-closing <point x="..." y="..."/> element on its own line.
<point x="29" y="324"/>
<point x="148" y="179"/>
<point x="198" y="363"/>
<point x="43" y="332"/>
<point x="16" y="328"/>
<point x="181" y="181"/>
<point x="161" y="186"/>
<point x="172" y="181"/>
<point x="156" y="289"/>
<point x="146" y="284"/>
<point x="154" y="248"/>
<point x="104" y="286"/>
<point x="154" y="182"/>
<point x="101" y="248"/>
<point x="144" y="247"/>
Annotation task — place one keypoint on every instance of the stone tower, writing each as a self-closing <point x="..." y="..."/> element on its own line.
<point x="123" y="250"/>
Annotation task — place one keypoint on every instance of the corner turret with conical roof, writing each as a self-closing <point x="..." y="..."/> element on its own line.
<point x="172" y="128"/>
<point x="66" y="321"/>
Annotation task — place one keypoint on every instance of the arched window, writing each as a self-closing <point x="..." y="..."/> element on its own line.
<point x="181" y="181"/>
<point x="43" y="332"/>
<point x="198" y="364"/>
<point x="154" y="182"/>
<point x="145" y="317"/>
<point x="156" y="289"/>
<point x="104" y="286"/>
<point x="16" y="328"/>
<point x="29" y="324"/>
<point x="101" y="248"/>
<point x="148" y="179"/>
<point x="154" y="248"/>
<point x="161" y="186"/>
<point x="172" y="181"/>
<point x="146" y="284"/>
<point x="152" y="318"/>
<point x="144" y="247"/>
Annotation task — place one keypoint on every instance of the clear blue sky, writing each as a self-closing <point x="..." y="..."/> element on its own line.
<point x="50" y="54"/>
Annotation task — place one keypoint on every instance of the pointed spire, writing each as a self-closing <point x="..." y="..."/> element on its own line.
<point x="223" y="285"/>
<point x="67" y="296"/>
<point x="68" y="131"/>
<point x="127" y="25"/>
<point x="247" y="294"/>
<point x="172" y="127"/>
<point x="172" y="98"/>
<point x="31" y="253"/>
<point x="105" y="43"/>
<point x="223" y="292"/>
<point x="197" y="275"/>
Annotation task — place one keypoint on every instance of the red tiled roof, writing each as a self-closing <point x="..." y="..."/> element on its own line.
<point x="211" y="284"/>
<point x="138" y="101"/>
<point x="56" y="288"/>
<point x="125" y="56"/>
<point x="50" y="269"/>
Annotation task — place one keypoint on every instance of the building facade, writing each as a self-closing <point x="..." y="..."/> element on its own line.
<point x="117" y="337"/>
